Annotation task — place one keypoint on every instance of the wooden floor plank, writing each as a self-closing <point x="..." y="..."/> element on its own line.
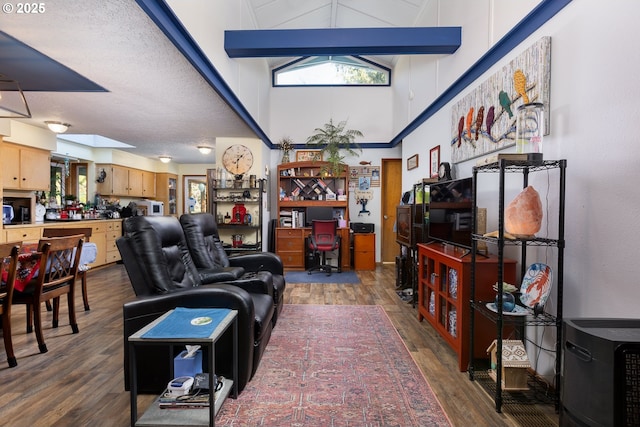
<point x="79" y="382"/>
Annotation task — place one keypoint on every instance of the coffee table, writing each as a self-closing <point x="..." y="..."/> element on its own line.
<point x="155" y="416"/>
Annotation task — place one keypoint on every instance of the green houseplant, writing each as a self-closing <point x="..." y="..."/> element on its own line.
<point x="331" y="138"/>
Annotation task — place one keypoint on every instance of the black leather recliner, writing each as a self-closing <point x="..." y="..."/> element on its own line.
<point x="208" y="254"/>
<point x="163" y="276"/>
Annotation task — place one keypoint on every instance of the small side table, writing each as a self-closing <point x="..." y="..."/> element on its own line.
<point x="155" y="416"/>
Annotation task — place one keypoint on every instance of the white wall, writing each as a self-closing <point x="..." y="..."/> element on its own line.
<point x="594" y="111"/>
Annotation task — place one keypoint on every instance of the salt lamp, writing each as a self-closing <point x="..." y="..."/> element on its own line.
<point x="523" y="216"/>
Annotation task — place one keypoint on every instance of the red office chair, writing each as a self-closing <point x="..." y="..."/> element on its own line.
<point x="323" y="238"/>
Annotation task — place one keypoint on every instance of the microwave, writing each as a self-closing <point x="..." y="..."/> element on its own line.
<point x="151" y="207"/>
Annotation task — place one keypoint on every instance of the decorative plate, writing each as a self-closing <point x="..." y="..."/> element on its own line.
<point x="536" y="285"/>
<point x="453" y="282"/>
<point x="517" y="311"/>
<point x="200" y="321"/>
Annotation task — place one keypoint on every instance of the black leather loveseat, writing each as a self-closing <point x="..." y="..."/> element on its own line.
<point x="163" y="275"/>
<point x="207" y="252"/>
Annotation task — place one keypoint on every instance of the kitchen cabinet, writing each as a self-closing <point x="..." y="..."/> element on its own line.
<point x="167" y="192"/>
<point x="148" y="185"/>
<point x="123" y="181"/>
<point x="103" y="234"/>
<point x="23" y="234"/>
<point x="25" y="168"/>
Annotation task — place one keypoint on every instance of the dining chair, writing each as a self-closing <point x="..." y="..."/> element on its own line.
<point x="56" y="276"/>
<point x="324" y="238"/>
<point x="82" y="268"/>
<point x="9" y="256"/>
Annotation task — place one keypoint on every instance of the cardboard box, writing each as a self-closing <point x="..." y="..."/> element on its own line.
<point x="187" y="366"/>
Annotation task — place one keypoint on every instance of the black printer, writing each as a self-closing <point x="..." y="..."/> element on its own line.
<point x="362" y="227"/>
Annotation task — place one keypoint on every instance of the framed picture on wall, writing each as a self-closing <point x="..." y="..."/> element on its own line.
<point x="412" y="162"/>
<point x="308" y="155"/>
<point x="434" y="161"/>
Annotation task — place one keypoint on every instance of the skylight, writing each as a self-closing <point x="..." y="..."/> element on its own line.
<point x="332" y="71"/>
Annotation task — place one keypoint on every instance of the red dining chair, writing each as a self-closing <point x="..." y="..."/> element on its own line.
<point x="324" y="238"/>
<point x="9" y="257"/>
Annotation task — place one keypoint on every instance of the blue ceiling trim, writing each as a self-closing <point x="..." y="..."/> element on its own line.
<point x="166" y="20"/>
<point x="529" y="24"/>
<point x="342" y="41"/>
<point x="37" y="72"/>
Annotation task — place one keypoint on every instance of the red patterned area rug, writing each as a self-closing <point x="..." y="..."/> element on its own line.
<point x="339" y="366"/>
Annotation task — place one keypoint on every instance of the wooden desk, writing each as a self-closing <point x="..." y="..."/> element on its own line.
<point x="290" y="246"/>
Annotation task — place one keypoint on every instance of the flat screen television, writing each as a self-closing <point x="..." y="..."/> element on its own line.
<point x="451" y="212"/>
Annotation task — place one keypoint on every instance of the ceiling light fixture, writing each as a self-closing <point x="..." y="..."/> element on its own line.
<point x="57" y="127"/>
<point x="165" y="159"/>
<point x="204" y="149"/>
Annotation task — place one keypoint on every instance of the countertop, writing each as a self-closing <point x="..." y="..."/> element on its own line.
<point x="57" y="222"/>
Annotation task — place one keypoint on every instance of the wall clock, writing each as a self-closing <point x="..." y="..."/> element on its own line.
<point x="237" y="159"/>
<point x="444" y="172"/>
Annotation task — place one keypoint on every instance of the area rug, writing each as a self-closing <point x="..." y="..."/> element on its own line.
<point x="350" y="277"/>
<point x="339" y="366"/>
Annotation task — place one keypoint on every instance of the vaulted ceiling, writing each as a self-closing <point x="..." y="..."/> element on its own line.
<point x="110" y="71"/>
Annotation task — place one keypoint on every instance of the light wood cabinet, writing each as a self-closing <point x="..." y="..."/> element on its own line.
<point x="114" y="230"/>
<point x="103" y="234"/>
<point x="123" y="181"/>
<point x="167" y="192"/>
<point x="148" y="184"/>
<point x="23" y="234"/>
<point x="25" y="168"/>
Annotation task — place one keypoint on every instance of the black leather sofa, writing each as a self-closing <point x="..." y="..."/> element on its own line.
<point x="208" y="254"/>
<point x="163" y="276"/>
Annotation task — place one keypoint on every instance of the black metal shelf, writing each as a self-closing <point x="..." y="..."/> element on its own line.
<point x="222" y="199"/>
<point x="504" y="167"/>
<point x="531" y="319"/>
<point x="531" y="241"/>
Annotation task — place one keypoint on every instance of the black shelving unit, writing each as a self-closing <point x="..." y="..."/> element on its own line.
<point x="419" y="233"/>
<point x="506" y="167"/>
<point x="222" y="202"/>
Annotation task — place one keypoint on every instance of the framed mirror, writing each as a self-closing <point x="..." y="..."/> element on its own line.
<point x="195" y="193"/>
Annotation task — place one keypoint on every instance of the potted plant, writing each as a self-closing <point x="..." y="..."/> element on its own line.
<point x="69" y="198"/>
<point x="332" y="138"/>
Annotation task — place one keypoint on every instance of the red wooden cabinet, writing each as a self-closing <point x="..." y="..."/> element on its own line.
<point x="444" y="294"/>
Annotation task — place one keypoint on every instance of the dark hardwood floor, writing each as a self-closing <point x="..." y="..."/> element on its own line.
<point x="79" y="382"/>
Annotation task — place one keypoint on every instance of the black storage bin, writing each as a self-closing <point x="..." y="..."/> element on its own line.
<point x="600" y="381"/>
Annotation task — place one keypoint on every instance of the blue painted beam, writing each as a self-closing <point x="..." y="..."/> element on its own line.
<point x="342" y="41"/>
